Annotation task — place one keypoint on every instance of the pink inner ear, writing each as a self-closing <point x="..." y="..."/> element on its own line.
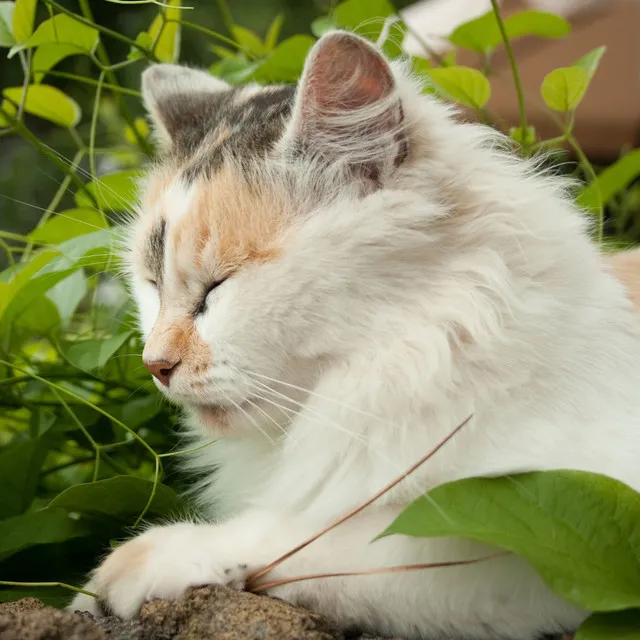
<point x="346" y="73"/>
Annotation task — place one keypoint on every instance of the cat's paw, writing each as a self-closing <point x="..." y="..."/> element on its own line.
<point x="161" y="563"/>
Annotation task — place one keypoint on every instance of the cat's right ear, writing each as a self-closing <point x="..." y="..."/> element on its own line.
<point x="180" y="101"/>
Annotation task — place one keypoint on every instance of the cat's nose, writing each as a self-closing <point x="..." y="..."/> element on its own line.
<point x="162" y="369"/>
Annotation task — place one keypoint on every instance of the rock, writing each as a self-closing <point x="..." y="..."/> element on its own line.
<point x="205" y="612"/>
<point x="45" y="623"/>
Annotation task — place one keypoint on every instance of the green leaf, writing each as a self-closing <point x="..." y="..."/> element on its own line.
<point x="144" y="40"/>
<point x="47" y="56"/>
<point x="286" y="61"/>
<point x="115" y="191"/>
<point x="249" y="41"/>
<point x="38" y="318"/>
<point x="526" y="139"/>
<point x="40" y="527"/>
<point x="322" y="25"/>
<point x="462" y="84"/>
<point x="24" y="15"/>
<point x="590" y="61"/>
<point x="610" y="182"/>
<point x="273" y="33"/>
<point x="68" y="294"/>
<point x="92" y="355"/>
<point x="580" y="531"/>
<point x="564" y="88"/>
<point x="536" y="23"/>
<point x="62" y="29"/>
<point x="223" y="53"/>
<point x="365" y="17"/>
<point x="482" y="34"/>
<point x="167" y="47"/>
<point x="47" y="102"/>
<point x="122" y="497"/>
<point x="6" y="18"/>
<point x="19" y="468"/>
<point x="234" y="71"/>
<point x="622" y="625"/>
<point x="68" y="224"/>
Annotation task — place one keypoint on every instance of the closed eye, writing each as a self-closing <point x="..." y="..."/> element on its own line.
<point x="202" y="305"/>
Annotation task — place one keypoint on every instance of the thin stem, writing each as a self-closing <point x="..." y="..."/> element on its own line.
<point x="208" y="32"/>
<point x="588" y="169"/>
<point x="25" y="134"/>
<point x="101" y="411"/>
<point x="55" y="201"/>
<point x="111" y="87"/>
<point x="514" y="69"/>
<point x="261" y="572"/>
<point x="106" y="67"/>
<point x="265" y="586"/>
<point x="109" y="32"/>
<point x="170" y="454"/>
<point x="63" y="585"/>
<point x="9" y="252"/>
<point x="25" y="61"/>
<point x="92" y="141"/>
<point x="226" y="15"/>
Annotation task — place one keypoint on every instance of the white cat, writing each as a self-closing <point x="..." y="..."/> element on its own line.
<point x="330" y="280"/>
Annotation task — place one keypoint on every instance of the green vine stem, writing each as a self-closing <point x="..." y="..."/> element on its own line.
<point x="514" y="70"/>
<point x="63" y="585"/>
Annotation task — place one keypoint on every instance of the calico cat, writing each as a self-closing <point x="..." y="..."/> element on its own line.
<point x="330" y="278"/>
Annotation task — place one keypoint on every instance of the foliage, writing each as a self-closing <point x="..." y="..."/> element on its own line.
<point x="87" y="445"/>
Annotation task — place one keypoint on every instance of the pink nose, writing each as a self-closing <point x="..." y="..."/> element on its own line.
<point x="162" y="369"/>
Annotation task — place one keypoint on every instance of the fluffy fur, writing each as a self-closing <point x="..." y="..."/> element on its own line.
<point x="331" y="303"/>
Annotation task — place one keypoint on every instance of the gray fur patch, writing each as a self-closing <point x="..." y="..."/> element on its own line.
<point x="237" y="123"/>
<point x="154" y="251"/>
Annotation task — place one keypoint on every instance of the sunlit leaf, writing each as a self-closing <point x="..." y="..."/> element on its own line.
<point x="47" y="102"/>
<point x="62" y="29"/>
<point x="249" y="41"/>
<point x="142" y="127"/>
<point x="167" y="35"/>
<point x="24" y="15"/>
<point x="67" y="294"/>
<point x="610" y="182"/>
<point x="273" y="33"/>
<point x="590" y="61"/>
<point x="483" y="35"/>
<point x="115" y="191"/>
<point x="92" y="355"/>
<point x="524" y="138"/>
<point x="235" y="70"/>
<point x="223" y="53"/>
<point x="68" y="224"/>
<point x="363" y="17"/>
<point x="322" y="25"/>
<point x="580" y="531"/>
<point x="622" y="625"/>
<point x="464" y="85"/>
<point x="286" y="61"/>
<point x="564" y="88"/>
<point x="47" y="56"/>
<point x="145" y="41"/>
<point x="6" y="18"/>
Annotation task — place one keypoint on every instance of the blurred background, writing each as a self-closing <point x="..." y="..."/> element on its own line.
<point x="607" y="124"/>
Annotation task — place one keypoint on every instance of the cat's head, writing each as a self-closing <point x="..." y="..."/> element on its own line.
<point x="261" y="247"/>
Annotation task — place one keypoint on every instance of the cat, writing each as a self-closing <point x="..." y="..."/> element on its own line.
<point x="332" y="277"/>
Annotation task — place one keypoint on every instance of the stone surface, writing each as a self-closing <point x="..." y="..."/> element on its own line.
<point x="204" y="613"/>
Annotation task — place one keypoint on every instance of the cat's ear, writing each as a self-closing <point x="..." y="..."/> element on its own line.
<point x="347" y="107"/>
<point x="180" y="100"/>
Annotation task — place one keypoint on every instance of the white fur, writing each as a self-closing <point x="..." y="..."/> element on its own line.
<point x="467" y="284"/>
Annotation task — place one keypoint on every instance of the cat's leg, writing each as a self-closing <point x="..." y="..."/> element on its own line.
<point x="499" y="598"/>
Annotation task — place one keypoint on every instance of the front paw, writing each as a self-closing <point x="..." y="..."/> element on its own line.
<point x="161" y="563"/>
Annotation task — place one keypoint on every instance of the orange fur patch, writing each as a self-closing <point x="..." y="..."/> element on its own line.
<point x="626" y="267"/>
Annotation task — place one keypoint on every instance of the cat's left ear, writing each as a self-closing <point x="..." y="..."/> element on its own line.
<point x="182" y="102"/>
<point x="347" y="107"/>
